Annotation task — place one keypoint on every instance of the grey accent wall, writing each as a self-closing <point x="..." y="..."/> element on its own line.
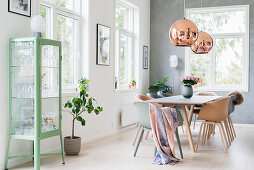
<point x="163" y="14"/>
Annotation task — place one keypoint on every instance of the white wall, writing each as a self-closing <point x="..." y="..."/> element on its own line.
<point x="102" y="77"/>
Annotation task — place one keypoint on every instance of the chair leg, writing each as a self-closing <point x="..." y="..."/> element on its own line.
<point x="230" y="130"/>
<point x="179" y="142"/>
<point x="139" y="127"/>
<point x="203" y="136"/>
<point x="139" y="140"/>
<point x="232" y="125"/>
<point x="214" y="129"/>
<point x="224" y="134"/>
<point x="202" y="124"/>
<point x="182" y="128"/>
<point x="227" y="133"/>
<point x="206" y="131"/>
<point x="209" y="131"/>
<point x="194" y="123"/>
<point x="222" y="140"/>
<point x="147" y="133"/>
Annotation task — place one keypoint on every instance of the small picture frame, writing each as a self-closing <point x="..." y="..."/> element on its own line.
<point x="145" y="57"/>
<point x="21" y="7"/>
<point x="103" y="45"/>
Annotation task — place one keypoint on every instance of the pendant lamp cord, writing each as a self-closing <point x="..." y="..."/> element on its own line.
<point x="184" y="9"/>
<point x="201" y="3"/>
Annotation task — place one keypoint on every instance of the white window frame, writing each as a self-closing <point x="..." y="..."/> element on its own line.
<point x="56" y="10"/>
<point x="130" y="33"/>
<point x="245" y="82"/>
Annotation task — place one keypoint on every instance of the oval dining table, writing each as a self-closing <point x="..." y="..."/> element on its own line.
<point x="179" y="100"/>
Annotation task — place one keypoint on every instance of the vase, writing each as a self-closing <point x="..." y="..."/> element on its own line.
<point x="187" y="91"/>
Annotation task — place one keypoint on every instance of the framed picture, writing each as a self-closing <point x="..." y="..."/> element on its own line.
<point x="21" y="7"/>
<point x="103" y="45"/>
<point x="145" y="57"/>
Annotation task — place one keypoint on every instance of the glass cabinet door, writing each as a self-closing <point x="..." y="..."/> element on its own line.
<point x="49" y="88"/>
<point x="22" y="87"/>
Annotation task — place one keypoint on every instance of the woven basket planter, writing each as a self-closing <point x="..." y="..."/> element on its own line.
<point x="72" y="146"/>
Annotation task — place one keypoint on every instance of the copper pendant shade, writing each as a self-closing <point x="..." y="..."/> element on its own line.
<point x="183" y="33"/>
<point x="203" y="44"/>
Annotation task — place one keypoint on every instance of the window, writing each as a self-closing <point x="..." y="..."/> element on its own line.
<point x="124" y="45"/>
<point x="65" y="15"/>
<point x="226" y="66"/>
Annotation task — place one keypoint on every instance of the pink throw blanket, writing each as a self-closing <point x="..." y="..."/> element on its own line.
<point x="163" y="123"/>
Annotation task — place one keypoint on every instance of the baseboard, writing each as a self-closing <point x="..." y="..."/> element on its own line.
<point x="16" y="162"/>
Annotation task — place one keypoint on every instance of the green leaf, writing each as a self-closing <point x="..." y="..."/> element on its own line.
<point x="96" y="111"/>
<point x="165" y="79"/>
<point x="74" y="110"/>
<point x="68" y="104"/>
<point x="81" y="120"/>
<point x="90" y="101"/>
<point x="100" y="109"/>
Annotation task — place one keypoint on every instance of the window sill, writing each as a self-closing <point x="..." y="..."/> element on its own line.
<point x="125" y="90"/>
<point x="69" y="93"/>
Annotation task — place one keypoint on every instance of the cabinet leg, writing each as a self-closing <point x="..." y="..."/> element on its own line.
<point x="7" y="153"/>
<point x="61" y="140"/>
<point x="37" y="154"/>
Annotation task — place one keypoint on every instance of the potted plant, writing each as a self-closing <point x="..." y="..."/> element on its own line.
<point x="188" y="82"/>
<point x="75" y="107"/>
<point x="160" y="89"/>
<point x="133" y="84"/>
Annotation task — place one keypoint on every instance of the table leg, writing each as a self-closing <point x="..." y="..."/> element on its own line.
<point x="185" y="118"/>
<point x="190" y="114"/>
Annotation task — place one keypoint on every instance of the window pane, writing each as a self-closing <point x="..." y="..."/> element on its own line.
<point x="45" y="13"/>
<point x="200" y="66"/>
<point x="229" y="61"/>
<point x="66" y="33"/>
<point x="125" y="59"/>
<point x="220" y="22"/>
<point x="70" y="4"/>
<point x="123" y="17"/>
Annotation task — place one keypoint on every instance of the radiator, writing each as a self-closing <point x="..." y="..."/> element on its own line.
<point x="128" y="116"/>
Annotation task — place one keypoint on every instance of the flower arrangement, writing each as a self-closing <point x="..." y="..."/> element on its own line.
<point x="190" y="80"/>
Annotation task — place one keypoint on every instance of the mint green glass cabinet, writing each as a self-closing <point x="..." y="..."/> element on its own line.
<point x="34" y="93"/>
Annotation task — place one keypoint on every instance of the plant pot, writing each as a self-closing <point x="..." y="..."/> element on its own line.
<point x="187" y="92"/>
<point x="132" y="85"/>
<point x="161" y="94"/>
<point x="153" y="95"/>
<point x="72" y="146"/>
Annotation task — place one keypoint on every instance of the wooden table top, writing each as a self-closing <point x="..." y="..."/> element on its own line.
<point x="180" y="100"/>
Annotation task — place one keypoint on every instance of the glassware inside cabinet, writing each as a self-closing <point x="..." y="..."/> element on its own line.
<point x="50" y="82"/>
<point x="22" y="82"/>
<point x="23" y="117"/>
<point x="49" y="121"/>
<point x="50" y="114"/>
<point x="50" y="56"/>
<point x="22" y="53"/>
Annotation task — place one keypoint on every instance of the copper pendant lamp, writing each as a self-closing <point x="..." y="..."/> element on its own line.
<point x="203" y="44"/>
<point x="183" y="33"/>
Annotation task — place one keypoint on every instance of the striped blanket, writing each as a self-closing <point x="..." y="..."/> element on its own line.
<point x="163" y="123"/>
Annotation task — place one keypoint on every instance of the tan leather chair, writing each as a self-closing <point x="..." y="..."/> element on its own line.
<point x="195" y="111"/>
<point x="214" y="113"/>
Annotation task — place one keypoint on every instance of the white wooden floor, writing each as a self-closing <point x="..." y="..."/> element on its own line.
<point x="116" y="153"/>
